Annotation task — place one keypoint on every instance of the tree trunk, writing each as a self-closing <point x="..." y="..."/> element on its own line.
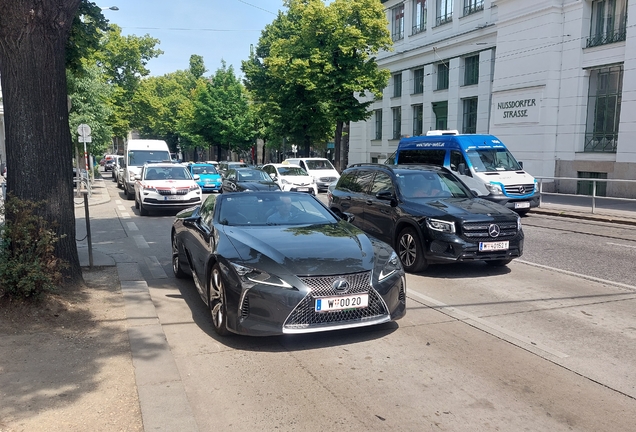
<point x="33" y="36"/>
<point x="344" y="144"/>
<point x="337" y="147"/>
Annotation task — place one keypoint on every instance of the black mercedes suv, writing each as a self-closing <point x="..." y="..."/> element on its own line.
<point x="427" y="214"/>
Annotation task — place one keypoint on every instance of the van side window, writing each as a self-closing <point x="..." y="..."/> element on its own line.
<point x="456" y="158"/>
<point x="422" y="156"/>
<point x="381" y="183"/>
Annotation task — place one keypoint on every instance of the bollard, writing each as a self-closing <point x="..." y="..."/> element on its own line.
<point x="88" y="230"/>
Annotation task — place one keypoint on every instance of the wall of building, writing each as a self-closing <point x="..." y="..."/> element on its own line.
<point x="533" y="85"/>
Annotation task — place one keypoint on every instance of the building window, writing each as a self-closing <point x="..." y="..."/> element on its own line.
<point x="470" y="116"/>
<point x="440" y="109"/>
<point x="398" y="22"/>
<point x="444" y="11"/>
<point x="471" y="70"/>
<point x="586" y="187"/>
<point x="418" y="81"/>
<point x="419" y="16"/>
<point x="397" y="122"/>
<point x="378" y="124"/>
<point x="418" y="111"/>
<point x="604" y="109"/>
<point x="397" y="85"/>
<point x="472" y="6"/>
<point x="609" y="22"/>
<point x="442" y="76"/>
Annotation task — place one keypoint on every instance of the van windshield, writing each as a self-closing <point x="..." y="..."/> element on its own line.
<point x="141" y="157"/>
<point x="319" y="164"/>
<point x="499" y="159"/>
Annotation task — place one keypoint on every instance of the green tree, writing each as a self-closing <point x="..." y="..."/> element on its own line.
<point x="33" y="37"/>
<point x="89" y="97"/>
<point x="290" y="107"/>
<point x="123" y="61"/>
<point x="331" y="53"/>
<point x="223" y="114"/>
<point x="358" y="30"/>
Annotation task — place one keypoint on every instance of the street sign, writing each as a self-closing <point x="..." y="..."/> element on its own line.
<point x="84" y="130"/>
<point x="85" y="139"/>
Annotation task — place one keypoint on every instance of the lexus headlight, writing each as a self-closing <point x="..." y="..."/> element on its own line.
<point x="392" y="265"/>
<point x="259" y="276"/>
<point x="494" y="188"/>
<point x="440" y="225"/>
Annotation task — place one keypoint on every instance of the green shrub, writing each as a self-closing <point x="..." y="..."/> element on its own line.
<point x="28" y="266"/>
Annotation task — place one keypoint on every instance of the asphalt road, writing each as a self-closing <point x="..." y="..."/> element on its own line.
<point x="545" y="344"/>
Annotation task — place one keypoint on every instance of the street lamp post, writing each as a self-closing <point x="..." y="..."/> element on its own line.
<point x="114" y="8"/>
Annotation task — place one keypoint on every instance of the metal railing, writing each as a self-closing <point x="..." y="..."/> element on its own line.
<point x="568" y="187"/>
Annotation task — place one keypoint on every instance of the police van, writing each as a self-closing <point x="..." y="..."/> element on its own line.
<point x="481" y="161"/>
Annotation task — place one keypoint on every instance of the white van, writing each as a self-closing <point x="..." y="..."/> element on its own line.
<point x="320" y="169"/>
<point x="138" y="152"/>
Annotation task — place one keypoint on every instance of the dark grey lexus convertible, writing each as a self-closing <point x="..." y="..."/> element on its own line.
<point x="269" y="263"/>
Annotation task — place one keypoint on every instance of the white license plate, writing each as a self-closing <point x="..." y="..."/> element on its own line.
<point x="171" y="198"/>
<point x="302" y="189"/>
<point x="493" y="246"/>
<point x="523" y="204"/>
<point x="356" y="301"/>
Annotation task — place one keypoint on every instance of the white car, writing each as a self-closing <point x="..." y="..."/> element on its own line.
<point x="162" y="186"/>
<point x="291" y="178"/>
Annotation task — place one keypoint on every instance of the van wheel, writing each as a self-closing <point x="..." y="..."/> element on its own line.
<point x="409" y="249"/>
<point x="499" y="263"/>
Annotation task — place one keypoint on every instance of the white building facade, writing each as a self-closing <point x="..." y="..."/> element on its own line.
<point x="553" y="79"/>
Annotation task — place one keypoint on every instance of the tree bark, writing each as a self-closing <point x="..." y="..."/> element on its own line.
<point x="33" y="35"/>
<point x="337" y="147"/>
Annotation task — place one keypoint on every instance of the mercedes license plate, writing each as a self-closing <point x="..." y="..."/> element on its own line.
<point x="356" y="301"/>
<point x="522" y="204"/>
<point x="493" y="246"/>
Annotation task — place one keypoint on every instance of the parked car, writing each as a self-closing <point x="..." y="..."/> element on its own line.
<point x="209" y="178"/>
<point x="109" y="164"/>
<point x="223" y="167"/>
<point x="118" y="167"/>
<point x="291" y="178"/>
<point x="427" y="214"/>
<point x="320" y="169"/>
<point x="262" y="279"/>
<point x="162" y="186"/>
<point x="247" y="179"/>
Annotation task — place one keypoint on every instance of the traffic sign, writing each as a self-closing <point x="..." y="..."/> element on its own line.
<point x="85" y="139"/>
<point x="84" y="130"/>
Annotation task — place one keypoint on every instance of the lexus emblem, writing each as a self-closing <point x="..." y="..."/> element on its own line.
<point x="340" y="285"/>
<point x="494" y="230"/>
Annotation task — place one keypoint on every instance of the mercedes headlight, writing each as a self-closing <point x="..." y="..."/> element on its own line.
<point x="494" y="188"/>
<point x="440" y="225"/>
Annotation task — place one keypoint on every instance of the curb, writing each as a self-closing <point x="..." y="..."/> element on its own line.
<point x="585" y="216"/>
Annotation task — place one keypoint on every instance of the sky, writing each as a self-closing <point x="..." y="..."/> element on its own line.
<point x="214" y="29"/>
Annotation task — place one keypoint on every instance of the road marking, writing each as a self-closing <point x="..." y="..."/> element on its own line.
<point x="118" y="202"/>
<point x="141" y="242"/>
<point x="132" y="226"/>
<point x="623" y="245"/>
<point x="125" y="215"/>
<point x="483" y="324"/>
<point x="121" y="207"/>
<point x="579" y="275"/>
<point x="155" y="267"/>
